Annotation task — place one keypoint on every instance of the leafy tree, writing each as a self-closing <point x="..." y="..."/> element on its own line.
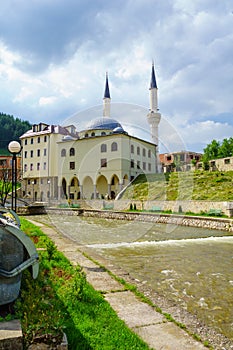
<point x="11" y="129"/>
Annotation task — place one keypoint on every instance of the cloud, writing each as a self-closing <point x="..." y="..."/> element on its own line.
<point x="53" y="59"/>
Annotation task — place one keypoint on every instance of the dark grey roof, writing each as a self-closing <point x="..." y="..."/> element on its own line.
<point x="153" y="84"/>
<point x="106" y="92"/>
<point x="104" y="123"/>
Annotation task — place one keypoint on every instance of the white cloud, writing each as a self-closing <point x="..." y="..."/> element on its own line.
<point x="44" y="101"/>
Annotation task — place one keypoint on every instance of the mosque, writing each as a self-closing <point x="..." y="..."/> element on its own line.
<point x="60" y="162"/>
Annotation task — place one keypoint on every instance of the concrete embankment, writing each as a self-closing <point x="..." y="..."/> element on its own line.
<point x="214" y="223"/>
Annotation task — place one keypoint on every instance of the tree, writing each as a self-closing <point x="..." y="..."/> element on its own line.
<point x="212" y="150"/>
<point x="11" y="129"/>
<point x="5" y="185"/>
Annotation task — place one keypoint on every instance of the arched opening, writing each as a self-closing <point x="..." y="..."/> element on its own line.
<point x="88" y="187"/>
<point x="101" y="187"/>
<point x="64" y="190"/>
<point x="114" y="186"/>
<point x="74" y="188"/>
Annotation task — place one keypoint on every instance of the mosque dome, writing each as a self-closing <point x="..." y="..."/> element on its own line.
<point x="103" y="123"/>
<point x="118" y="130"/>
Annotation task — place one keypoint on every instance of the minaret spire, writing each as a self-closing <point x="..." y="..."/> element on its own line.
<point x="154" y="116"/>
<point x="107" y="99"/>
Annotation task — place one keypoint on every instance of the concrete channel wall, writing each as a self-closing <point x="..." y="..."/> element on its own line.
<point x="184" y="220"/>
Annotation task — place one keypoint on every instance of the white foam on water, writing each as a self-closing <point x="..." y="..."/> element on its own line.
<point x="172" y="242"/>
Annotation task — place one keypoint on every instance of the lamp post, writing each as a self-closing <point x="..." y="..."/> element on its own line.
<point x="33" y="191"/>
<point x="14" y="148"/>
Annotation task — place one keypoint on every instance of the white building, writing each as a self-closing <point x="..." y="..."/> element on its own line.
<point x="60" y="162"/>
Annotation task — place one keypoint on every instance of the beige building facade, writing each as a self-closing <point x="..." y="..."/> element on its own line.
<point x="97" y="162"/>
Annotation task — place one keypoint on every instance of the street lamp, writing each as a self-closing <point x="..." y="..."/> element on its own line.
<point x="33" y="183"/>
<point x="14" y="148"/>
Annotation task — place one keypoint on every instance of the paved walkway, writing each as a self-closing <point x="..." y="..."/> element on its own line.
<point x="150" y="325"/>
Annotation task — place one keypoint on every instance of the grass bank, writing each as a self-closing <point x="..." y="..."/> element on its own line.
<point x="60" y="300"/>
<point x="193" y="185"/>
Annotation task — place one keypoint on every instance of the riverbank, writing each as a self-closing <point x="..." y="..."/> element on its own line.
<point x="214" y="223"/>
<point x="194" y="326"/>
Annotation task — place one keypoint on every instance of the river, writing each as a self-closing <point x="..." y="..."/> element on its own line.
<point x="190" y="266"/>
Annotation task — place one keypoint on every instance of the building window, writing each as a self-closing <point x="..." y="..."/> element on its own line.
<point x="132" y="163"/>
<point x="169" y="158"/>
<point x="212" y="163"/>
<point x="38" y="140"/>
<point x="144" y="152"/>
<point x="103" y="133"/>
<point x="72" y="165"/>
<point x="63" y="152"/>
<point x="93" y="134"/>
<point x="114" y="146"/>
<point x="26" y="142"/>
<point x="31" y="154"/>
<point x="25" y="167"/>
<point x="29" y="181"/>
<point x="144" y="165"/>
<point x="45" y="138"/>
<point x="149" y="167"/>
<point x="132" y="148"/>
<point x="25" y="154"/>
<point x="103" y="163"/>
<point x="149" y="153"/>
<point x="227" y="161"/>
<point x="86" y="135"/>
<point x="103" y="148"/>
<point x="138" y="151"/>
<point x="138" y="164"/>
<point x="45" y="151"/>
<point x="38" y="166"/>
<point x="31" y="141"/>
<point x="38" y="153"/>
<point x="44" y="166"/>
<point x="31" y="166"/>
<point x="72" y="152"/>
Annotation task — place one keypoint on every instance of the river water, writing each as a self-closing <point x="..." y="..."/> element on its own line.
<point x="187" y="265"/>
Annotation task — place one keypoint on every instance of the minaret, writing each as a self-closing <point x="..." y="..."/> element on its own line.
<point x="107" y="99"/>
<point x="154" y="116"/>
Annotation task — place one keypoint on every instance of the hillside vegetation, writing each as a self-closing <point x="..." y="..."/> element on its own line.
<point x="197" y="185"/>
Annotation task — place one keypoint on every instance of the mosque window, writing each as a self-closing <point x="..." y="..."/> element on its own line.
<point x="103" y="147"/>
<point x="144" y="152"/>
<point x="38" y="140"/>
<point x="132" y="163"/>
<point x="149" y="153"/>
<point x="103" y="133"/>
<point x="138" y="151"/>
<point x="86" y="135"/>
<point x="31" y="166"/>
<point x="45" y="151"/>
<point x="38" y="166"/>
<point x="31" y="154"/>
<point x="72" y="183"/>
<point x="103" y="163"/>
<point x="31" y="141"/>
<point x="63" y="152"/>
<point x="25" y="154"/>
<point x="114" y="146"/>
<point x="45" y="138"/>
<point x="72" y="165"/>
<point x="93" y="134"/>
<point x="38" y="153"/>
<point x="72" y="152"/>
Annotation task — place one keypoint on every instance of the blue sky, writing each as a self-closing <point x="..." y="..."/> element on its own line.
<point x="54" y="55"/>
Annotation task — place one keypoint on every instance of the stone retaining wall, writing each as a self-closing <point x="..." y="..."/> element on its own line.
<point x="195" y="221"/>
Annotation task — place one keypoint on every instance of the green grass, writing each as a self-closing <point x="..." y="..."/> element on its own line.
<point x="193" y="185"/>
<point x="60" y="300"/>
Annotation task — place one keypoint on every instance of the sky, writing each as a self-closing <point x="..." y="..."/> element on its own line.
<point x="54" y="55"/>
